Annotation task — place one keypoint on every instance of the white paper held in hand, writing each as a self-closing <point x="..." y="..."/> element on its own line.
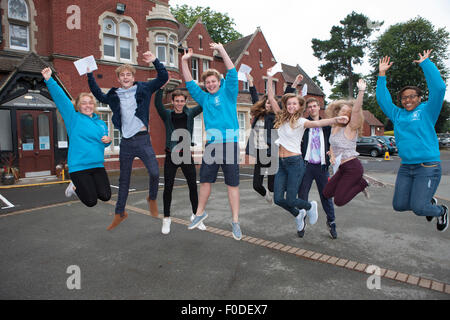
<point x="275" y="69"/>
<point x="83" y="64"/>
<point x="243" y="70"/>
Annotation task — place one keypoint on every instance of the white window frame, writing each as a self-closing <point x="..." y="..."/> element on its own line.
<point x="15" y="21"/>
<point x="118" y="37"/>
<point x="194" y="69"/>
<point x="205" y="65"/>
<point x="242" y="127"/>
<point x="114" y="147"/>
<point x="197" y="132"/>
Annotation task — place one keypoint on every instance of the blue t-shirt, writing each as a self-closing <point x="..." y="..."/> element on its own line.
<point x="219" y="109"/>
<point x="86" y="150"/>
<point x="414" y="131"/>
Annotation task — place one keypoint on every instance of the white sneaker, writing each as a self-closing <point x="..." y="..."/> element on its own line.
<point x="268" y="196"/>
<point x="70" y="190"/>
<point x="166" y="226"/>
<point x="201" y="226"/>
<point x="300" y="221"/>
<point x="312" y="213"/>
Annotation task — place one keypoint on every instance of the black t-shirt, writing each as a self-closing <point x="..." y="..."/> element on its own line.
<point x="179" y="121"/>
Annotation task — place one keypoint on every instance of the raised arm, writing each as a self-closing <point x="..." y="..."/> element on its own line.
<point x="435" y="83"/>
<point x="185" y="66"/>
<point x="226" y="59"/>
<point x="252" y="89"/>
<point x="383" y="96"/>
<point x="326" y="122"/>
<point x="61" y="100"/>
<point x="271" y="96"/>
<point x="159" y="105"/>
<point x="95" y="89"/>
<point x="357" y="111"/>
<point x="162" y="76"/>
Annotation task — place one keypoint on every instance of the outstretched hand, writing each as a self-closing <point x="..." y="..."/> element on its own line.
<point x="342" y="119"/>
<point x="187" y="55"/>
<point x="47" y="73"/>
<point x="361" y="85"/>
<point x="215" y="46"/>
<point x="426" y="55"/>
<point x="149" y="57"/>
<point x="384" y="65"/>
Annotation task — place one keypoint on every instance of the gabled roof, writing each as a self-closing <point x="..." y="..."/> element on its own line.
<point x="290" y="72"/>
<point x="32" y="63"/>
<point x="184" y="31"/>
<point x="371" y="119"/>
<point x="237" y="47"/>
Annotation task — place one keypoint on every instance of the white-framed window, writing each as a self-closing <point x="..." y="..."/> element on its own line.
<point x="242" y="127"/>
<point x="194" y="68"/>
<point x="118" y="40"/>
<point x="274" y="85"/>
<point x="197" y="133"/>
<point x="61" y="131"/>
<point x="205" y="65"/>
<point x="200" y="42"/>
<point x="19" y="25"/>
<point x="166" y="49"/>
<point x="105" y="113"/>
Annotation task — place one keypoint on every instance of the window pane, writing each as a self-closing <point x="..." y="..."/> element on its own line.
<point x="161" y="53"/>
<point x="44" y="132"/>
<point x="61" y="131"/>
<point x="5" y="131"/>
<point x="195" y="69"/>
<point x="172" y="40"/>
<point x="109" y="26"/>
<point x="241" y="120"/>
<point x="116" y="137"/>
<point x="197" y="134"/>
<point x="18" y="37"/>
<point x="125" y="49"/>
<point x="125" y="30"/>
<point x="109" y="46"/>
<point x="161" y="38"/>
<point x="172" y="56"/>
<point x="17" y="9"/>
<point x="27" y="130"/>
<point x="205" y="65"/>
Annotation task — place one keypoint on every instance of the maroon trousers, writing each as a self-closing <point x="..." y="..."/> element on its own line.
<point x="346" y="183"/>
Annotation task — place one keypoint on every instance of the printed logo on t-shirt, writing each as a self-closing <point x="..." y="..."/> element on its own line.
<point x="217" y="101"/>
<point x="415" y="116"/>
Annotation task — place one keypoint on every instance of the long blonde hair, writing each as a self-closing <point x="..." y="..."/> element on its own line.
<point x="284" y="116"/>
<point x="335" y="107"/>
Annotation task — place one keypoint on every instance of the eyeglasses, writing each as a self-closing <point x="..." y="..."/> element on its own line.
<point x="404" y="98"/>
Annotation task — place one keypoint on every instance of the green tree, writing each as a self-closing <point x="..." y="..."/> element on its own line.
<point x="443" y="122"/>
<point x="220" y="26"/>
<point x="344" y="49"/>
<point x="403" y="42"/>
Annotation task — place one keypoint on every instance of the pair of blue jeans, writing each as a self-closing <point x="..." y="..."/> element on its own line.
<point x="319" y="173"/>
<point x="287" y="181"/>
<point x="415" y="186"/>
<point x="137" y="146"/>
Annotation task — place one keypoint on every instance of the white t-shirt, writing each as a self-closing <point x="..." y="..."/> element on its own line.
<point x="289" y="138"/>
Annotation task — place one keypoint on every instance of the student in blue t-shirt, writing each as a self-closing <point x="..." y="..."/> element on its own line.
<point x="88" y="136"/>
<point x="222" y="133"/>
<point x="420" y="172"/>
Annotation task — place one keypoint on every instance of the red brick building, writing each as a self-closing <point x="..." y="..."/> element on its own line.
<point x="55" y="33"/>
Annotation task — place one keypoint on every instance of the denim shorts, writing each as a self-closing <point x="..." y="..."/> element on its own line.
<point x="215" y="156"/>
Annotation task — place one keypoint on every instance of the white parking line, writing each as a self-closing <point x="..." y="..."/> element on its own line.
<point x="9" y="204"/>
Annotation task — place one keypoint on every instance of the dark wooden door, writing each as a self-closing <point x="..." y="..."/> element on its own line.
<point x="35" y="143"/>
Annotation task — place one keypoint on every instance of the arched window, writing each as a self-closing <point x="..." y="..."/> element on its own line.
<point x="19" y="25"/>
<point x="117" y="40"/>
<point x="166" y="49"/>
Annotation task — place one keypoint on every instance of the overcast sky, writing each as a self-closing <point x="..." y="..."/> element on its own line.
<point x="289" y="25"/>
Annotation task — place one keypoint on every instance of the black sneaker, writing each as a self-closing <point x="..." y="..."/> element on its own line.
<point x="442" y="221"/>
<point x="302" y="232"/>
<point x="434" y="203"/>
<point x="332" y="228"/>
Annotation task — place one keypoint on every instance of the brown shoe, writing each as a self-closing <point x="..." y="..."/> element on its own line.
<point x="118" y="218"/>
<point x="153" y="206"/>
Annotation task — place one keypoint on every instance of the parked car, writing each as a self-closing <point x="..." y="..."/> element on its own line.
<point x="372" y="146"/>
<point x="390" y="142"/>
<point x="444" y="139"/>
